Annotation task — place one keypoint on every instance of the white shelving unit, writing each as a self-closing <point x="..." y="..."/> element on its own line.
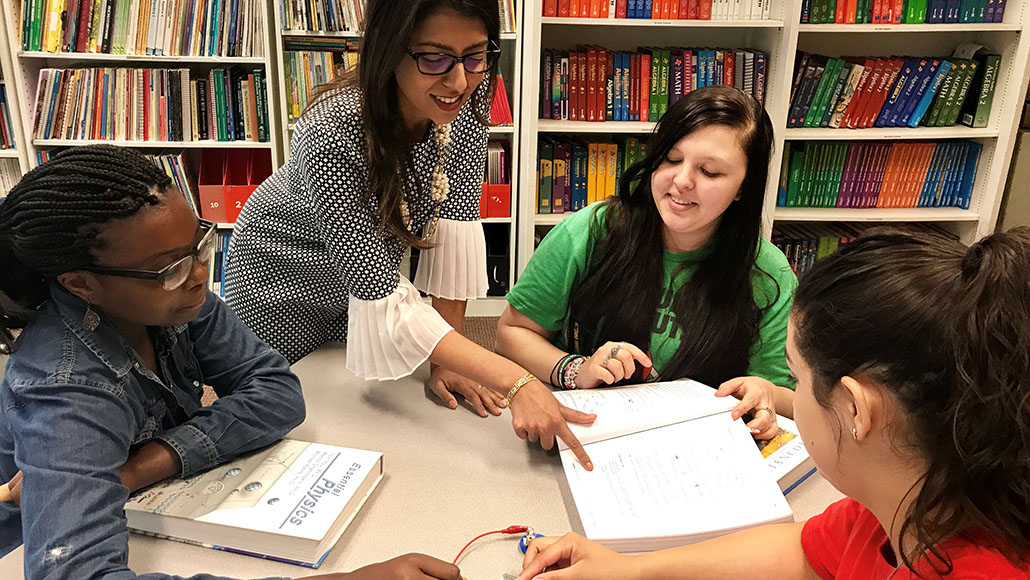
<point x="26" y="66"/>
<point x="781" y="37"/>
<point x="19" y="153"/>
<point x="776" y="36"/>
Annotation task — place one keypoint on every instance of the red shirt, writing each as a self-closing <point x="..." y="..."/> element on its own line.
<point x="846" y="542"/>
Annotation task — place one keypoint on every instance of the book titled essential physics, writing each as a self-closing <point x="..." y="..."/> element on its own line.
<point x="290" y="502"/>
<point x="671" y="467"/>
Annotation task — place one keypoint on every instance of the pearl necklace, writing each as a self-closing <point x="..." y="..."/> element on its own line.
<point x="439" y="187"/>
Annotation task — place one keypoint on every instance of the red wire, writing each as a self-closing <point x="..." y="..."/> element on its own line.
<point x="508" y="530"/>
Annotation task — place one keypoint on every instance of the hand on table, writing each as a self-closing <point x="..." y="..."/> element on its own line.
<point x="537" y="416"/>
<point x="443" y="382"/>
<point x="406" y="567"/>
<point x="756" y="396"/>
<point x="613" y="362"/>
<point x="572" y="557"/>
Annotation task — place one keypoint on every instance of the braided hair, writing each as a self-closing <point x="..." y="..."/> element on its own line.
<point x="50" y="221"/>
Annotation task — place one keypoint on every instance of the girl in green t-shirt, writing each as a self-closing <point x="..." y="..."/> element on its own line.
<point x="670" y="273"/>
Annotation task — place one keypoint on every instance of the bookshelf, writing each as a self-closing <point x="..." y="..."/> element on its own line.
<point x="15" y="160"/>
<point x="26" y="66"/>
<point x="781" y="36"/>
<point x="510" y="65"/>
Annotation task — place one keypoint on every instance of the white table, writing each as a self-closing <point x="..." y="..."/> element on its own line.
<point x="450" y="475"/>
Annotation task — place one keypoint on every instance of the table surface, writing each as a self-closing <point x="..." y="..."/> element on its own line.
<point x="449" y="476"/>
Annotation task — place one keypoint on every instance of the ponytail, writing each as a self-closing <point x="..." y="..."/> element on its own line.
<point x="946" y="331"/>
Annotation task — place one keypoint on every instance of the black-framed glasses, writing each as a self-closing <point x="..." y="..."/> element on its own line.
<point x="175" y="274"/>
<point x="441" y="63"/>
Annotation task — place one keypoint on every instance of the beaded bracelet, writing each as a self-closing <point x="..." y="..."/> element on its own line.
<point x="572" y="371"/>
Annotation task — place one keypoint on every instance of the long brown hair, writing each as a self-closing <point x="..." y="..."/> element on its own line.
<point x="389" y="26"/>
<point x="946" y="331"/>
<point x="715" y="308"/>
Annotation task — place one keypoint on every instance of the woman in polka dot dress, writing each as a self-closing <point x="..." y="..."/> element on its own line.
<point x="385" y="159"/>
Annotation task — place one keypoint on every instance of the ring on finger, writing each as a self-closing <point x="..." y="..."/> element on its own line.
<point x="614" y="351"/>
<point x="771" y="412"/>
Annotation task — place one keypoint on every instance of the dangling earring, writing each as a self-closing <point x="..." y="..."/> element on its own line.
<point x="91" y="320"/>
<point x="854" y="433"/>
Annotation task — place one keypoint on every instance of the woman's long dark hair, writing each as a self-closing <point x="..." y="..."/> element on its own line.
<point x="50" y="220"/>
<point x="389" y="26"/>
<point x="715" y="309"/>
<point x="946" y="331"/>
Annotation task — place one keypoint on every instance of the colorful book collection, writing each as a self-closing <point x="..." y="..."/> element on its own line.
<point x="857" y="92"/>
<point x="10" y="175"/>
<point x="306" y="69"/>
<point x="322" y="15"/>
<point x="144" y="27"/>
<point x="507" y="13"/>
<point x="216" y="267"/>
<point x="495" y="202"/>
<point x="174" y="164"/>
<point x="845" y="174"/>
<point x="805" y="243"/>
<point x="901" y="11"/>
<point x="6" y="129"/>
<point x="660" y="9"/>
<point x="595" y="84"/>
<point x="151" y="105"/>
<point x="572" y="174"/>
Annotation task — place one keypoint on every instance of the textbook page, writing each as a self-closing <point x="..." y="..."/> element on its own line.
<point x="624" y="410"/>
<point x="678" y="484"/>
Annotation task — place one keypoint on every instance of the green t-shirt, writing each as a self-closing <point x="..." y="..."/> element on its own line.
<point x="542" y="293"/>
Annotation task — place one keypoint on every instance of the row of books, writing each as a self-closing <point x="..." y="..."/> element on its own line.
<point x="216" y="267"/>
<point x="10" y="175"/>
<point x="901" y="11"/>
<point x="877" y="174"/>
<point x="856" y="92"/>
<point x="595" y="84"/>
<point x="573" y="174"/>
<point x="660" y="9"/>
<point x="323" y="15"/>
<point x="507" y="13"/>
<point x="151" y="105"/>
<point x="6" y="129"/>
<point x="306" y="69"/>
<point x="804" y="244"/>
<point x="151" y="27"/>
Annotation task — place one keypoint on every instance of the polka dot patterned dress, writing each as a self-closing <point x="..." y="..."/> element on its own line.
<point x="307" y="263"/>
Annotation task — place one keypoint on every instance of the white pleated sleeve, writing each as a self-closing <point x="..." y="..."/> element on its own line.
<point x="455" y="269"/>
<point x="390" y="337"/>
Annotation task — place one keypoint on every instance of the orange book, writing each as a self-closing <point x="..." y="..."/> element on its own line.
<point x="888" y="183"/>
<point x="602" y="172"/>
<point x="666" y="9"/>
<point x="656" y="10"/>
<point x="604" y="8"/>
<point x="584" y="8"/>
<point x="674" y="10"/>
<point x="908" y="163"/>
<point x="595" y="8"/>
<point x="591" y="173"/>
<point x="610" y="185"/>
<point x="573" y="8"/>
<point x="550" y="7"/>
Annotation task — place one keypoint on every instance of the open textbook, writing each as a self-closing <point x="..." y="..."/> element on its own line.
<point x="672" y="468"/>
<point x="289" y="502"/>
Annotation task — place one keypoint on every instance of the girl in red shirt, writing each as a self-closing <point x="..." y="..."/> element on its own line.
<point x="912" y="358"/>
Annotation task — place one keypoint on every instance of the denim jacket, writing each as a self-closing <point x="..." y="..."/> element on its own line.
<point x="77" y="403"/>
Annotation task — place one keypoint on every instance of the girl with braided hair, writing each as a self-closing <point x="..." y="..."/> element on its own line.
<point x="103" y="267"/>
